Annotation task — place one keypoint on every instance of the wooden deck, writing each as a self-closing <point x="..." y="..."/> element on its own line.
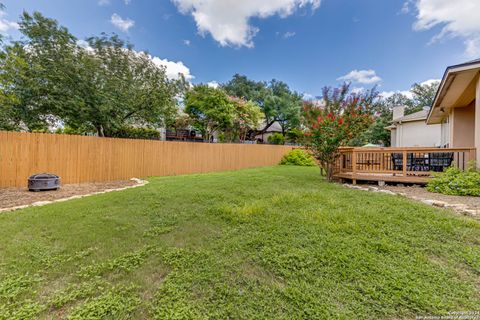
<point x="401" y="165"/>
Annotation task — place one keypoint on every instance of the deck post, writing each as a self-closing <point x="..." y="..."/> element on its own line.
<point x="354" y="166"/>
<point x="404" y="163"/>
<point x="471" y="155"/>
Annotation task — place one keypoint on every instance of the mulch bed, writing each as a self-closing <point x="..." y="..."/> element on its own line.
<point x="13" y="197"/>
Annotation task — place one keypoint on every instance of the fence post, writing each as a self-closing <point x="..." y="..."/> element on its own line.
<point x="404" y="163"/>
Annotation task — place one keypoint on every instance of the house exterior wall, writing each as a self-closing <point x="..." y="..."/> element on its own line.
<point x="445" y="133"/>
<point x="463" y="126"/>
<point x="477" y="121"/>
<point x="417" y="134"/>
<point x="393" y="137"/>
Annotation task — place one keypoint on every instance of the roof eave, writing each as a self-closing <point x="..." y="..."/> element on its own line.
<point x="448" y="74"/>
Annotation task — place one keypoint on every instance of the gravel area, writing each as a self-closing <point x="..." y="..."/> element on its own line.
<point x="421" y="192"/>
<point x="13" y="197"/>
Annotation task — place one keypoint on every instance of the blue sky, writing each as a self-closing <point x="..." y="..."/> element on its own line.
<point x="306" y="43"/>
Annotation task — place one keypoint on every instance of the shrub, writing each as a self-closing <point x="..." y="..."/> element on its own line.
<point x="295" y="135"/>
<point x="137" y="133"/>
<point x="298" y="157"/>
<point x="276" y="138"/>
<point x="456" y="182"/>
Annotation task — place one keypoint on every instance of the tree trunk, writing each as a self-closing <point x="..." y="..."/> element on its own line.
<point x="100" y="131"/>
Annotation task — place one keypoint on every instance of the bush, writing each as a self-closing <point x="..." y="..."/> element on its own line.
<point x="298" y="157"/>
<point x="295" y="136"/>
<point x="276" y="138"/>
<point x="456" y="182"/>
<point x="137" y="133"/>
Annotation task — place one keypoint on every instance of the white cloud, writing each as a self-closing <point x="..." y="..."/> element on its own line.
<point x="361" y="76"/>
<point x="127" y="2"/>
<point x="120" y="23"/>
<point x="358" y="90"/>
<point x="457" y="18"/>
<point x="228" y="21"/>
<point x="430" y="81"/>
<point x="103" y="2"/>
<point x="289" y="34"/>
<point x="173" y="69"/>
<point x="187" y="42"/>
<point x="388" y="94"/>
<point x="408" y="93"/>
<point x="213" y="84"/>
<point x="6" y="25"/>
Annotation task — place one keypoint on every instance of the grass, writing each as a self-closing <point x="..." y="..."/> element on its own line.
<point x="274" y="242"/>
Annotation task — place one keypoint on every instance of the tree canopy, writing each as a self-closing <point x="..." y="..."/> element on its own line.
<point x="213" y="111"/>
<point x="276" y="100"/>
<point x="49" y="77"/>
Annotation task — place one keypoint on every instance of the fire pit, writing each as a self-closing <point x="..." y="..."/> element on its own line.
<point x="43" y="182"/>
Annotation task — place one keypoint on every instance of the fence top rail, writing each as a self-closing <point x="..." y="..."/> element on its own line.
<point x="407" y="149"/>
<point x="154" y="141"/>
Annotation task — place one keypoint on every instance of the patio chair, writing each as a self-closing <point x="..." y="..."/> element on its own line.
<point x="397" y="159"/>
<point x="439" y="161"/>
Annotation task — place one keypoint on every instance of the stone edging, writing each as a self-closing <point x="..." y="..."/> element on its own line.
<point x="140" y="183"/>
<point x="457" y="207"/>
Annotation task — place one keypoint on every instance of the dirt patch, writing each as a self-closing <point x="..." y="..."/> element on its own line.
<point x="13" y="197"/>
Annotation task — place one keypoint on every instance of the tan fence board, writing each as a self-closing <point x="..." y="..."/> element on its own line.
<point x="78" y="159"/>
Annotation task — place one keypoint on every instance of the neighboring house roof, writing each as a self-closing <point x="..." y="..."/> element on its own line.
<point x="417" y="116"/>
<point x="456" y="89"/>
<point x="275" y="127"/>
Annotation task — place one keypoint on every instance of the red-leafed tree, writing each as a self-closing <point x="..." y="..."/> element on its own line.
<point x="330" y="124"/>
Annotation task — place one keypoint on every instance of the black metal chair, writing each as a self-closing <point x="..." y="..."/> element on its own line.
<point x="439" y="161"/>
<point x="397" y="159"/>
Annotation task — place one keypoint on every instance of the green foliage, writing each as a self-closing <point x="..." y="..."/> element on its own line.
<point x="295" y="135"/>
<point x="246" y="117"/>
<point x="263" y="243"/>
<point x="298" y="157"/>
<point x="126" y="262"/>
<point x="276" y="100"/>
<point x="276" y="138"/>
<point x="422" y="96"/>
<point x="137" y="133"/>
<point x="104" y="87"/>
<point x="210" y="110"/>
<point x="343" y="117"/>
<point x="456" y="182"/>
<point x="118" y="303"/>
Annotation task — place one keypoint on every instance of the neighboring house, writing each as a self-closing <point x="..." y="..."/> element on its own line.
<point x="274" y="128"/>
<point x="412" y="131"/>
<point x="457" y="107"/>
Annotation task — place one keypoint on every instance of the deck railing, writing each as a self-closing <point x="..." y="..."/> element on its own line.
<point x="402" y="161"/>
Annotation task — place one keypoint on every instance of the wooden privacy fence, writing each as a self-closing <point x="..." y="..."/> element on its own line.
<point x="91" y="159"/>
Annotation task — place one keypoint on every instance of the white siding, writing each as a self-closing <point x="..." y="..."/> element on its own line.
<point x="417" y="134"/>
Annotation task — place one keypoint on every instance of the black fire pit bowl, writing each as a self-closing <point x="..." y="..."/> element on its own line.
<point x="43" y="182"/>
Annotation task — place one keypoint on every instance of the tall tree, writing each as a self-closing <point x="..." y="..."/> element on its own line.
<point x="210" y="109"/>
<point x="422" y="95"/>
<point x="283" y="106"/>
<point x="103" y="87"/>
<point x="277" y="101"/>
<point x="121" y="87"/>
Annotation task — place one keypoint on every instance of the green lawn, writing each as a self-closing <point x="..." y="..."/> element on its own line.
<point x="274" y="242"/>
